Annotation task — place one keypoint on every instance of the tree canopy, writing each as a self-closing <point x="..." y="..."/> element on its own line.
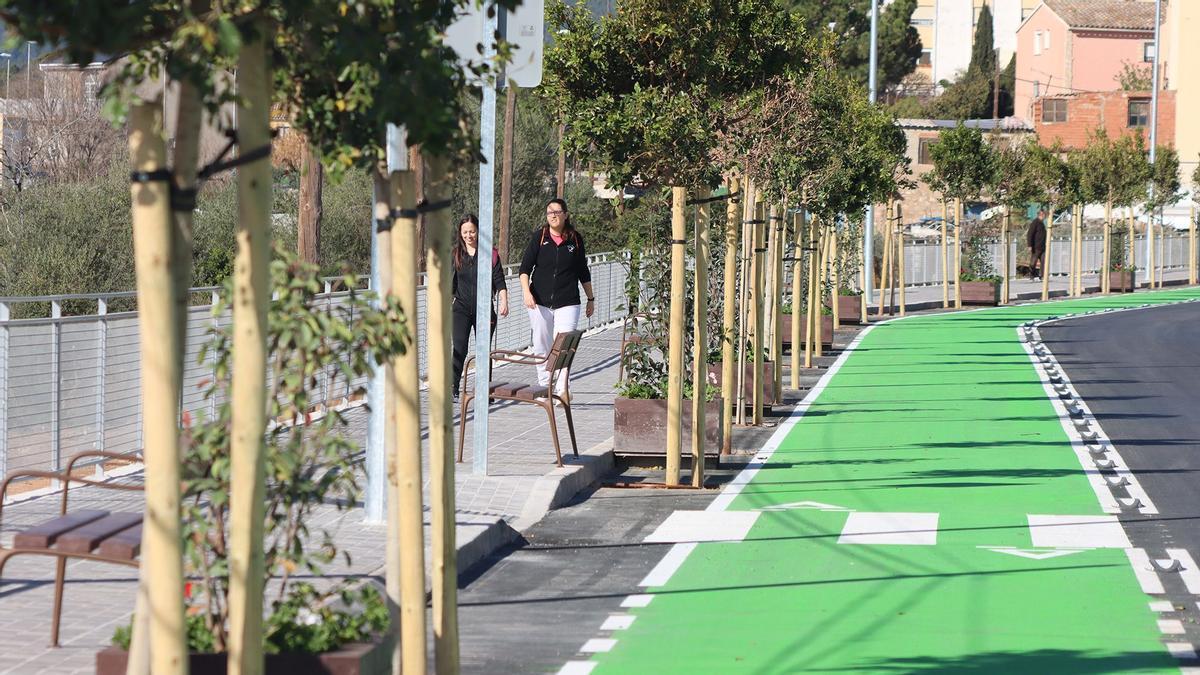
<point x="899" y="43"/>
<point x="963" y="163"/>
<point x="1115" y="170"/>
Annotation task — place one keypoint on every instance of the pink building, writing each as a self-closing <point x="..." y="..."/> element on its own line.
<point x="1073" y="46"/>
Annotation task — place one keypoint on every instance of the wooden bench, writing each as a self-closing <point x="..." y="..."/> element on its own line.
<point x="88" y="534"/>
<point x="558" y="361"/>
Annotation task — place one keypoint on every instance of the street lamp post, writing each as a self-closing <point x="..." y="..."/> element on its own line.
<point x="7" y="71"/>
<point x="28" y="66"/>
<point x="869" y="228"/>
<point x="1153" y="134"/>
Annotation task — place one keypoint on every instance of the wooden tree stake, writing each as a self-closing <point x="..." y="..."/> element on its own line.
<point x="700" y="346"/>
<point x="728" y="321"/>
<point x="677" y="319"/>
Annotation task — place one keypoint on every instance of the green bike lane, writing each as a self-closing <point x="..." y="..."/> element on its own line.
<point x="893" y="528"/>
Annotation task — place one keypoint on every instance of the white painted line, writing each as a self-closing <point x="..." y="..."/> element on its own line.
<point x="1181" y="650"/>
<point x="1142" y="569"/>
<point x="693" y="526"/>
<point x="637" y="600"/>
<point x="662" y="572"/>
<point x="1035" y="554"/>
<point x="804" y="505"/>
<point x="617" y="622"/>
<point x="577" y="668"/>
<point x="1190" y="574"/>
<point x="598" y="645"/>
<point x="1162" y="606"/>
<point x="1077" y="532"/>
<point x="1171" y="627"/>
<point x="866" y="527"/>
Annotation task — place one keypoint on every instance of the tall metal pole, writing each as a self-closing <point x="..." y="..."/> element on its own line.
<point x="483" y="253"/>
<point x="869" y="229"/>
<point x="29" y="66"/>
<point x="1153" y="133"/>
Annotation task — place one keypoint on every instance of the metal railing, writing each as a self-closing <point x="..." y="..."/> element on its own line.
<point x="72" y="383"/>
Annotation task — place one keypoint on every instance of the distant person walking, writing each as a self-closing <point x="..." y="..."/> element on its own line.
<point x="1035" y="236"/>
<point x="463" y="288"/>
<point x="552" y="270"/>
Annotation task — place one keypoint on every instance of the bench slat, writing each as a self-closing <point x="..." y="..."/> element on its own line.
<point x="126" y="544"/>
<point x="44" y="534"/>
<point x="509" y="389"/>
<point x="85" y="538"/>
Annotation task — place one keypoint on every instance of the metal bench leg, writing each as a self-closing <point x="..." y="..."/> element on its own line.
<point x="571" y="428"/>
<point x="462" y="423"/>
<point x="549" y="406"/>
<point x="59" y="578"/>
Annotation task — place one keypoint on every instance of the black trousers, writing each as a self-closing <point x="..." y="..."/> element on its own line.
<point x="464" y="322"/>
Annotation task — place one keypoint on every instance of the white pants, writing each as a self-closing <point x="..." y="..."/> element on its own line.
<point x="545" y="324"/>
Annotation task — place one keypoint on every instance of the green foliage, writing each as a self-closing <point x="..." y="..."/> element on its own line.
<point x="908" y="107"/>
<point x="1010" y="183"/>
<point x="1115" y="170"/>
<point x="983" y="54"/>
<point x="305" y="622"/>
<point x="1049" y="174"/>
<point x="1134" y="77"/>
<point x="309" y="459"/>
<point x="899" y="43"/>
<point x="1164" y="178"/>
<point x="973" y="94"/>
<point x="199" y="638"/>
<point x="977" y="260"/>
<point x="642" y="91"/>
<point x="963" y="164"/>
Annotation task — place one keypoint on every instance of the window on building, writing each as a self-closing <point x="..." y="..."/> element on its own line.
<point x="1026" y="11"/>
<point x="1037" y="42"/>
<point x="1046" y="40"/>
<point x="926" y="57"/>
<point x="1037" y="88"/>
<point x="1054" y="110"/>
<point x="1139" y="113"/>
<point x="1148" y="52"/>
<point x="923" y="147"/>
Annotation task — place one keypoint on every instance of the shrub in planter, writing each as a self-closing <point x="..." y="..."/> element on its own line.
<point x="310" y="461"/>
<point x="978" y="282"/>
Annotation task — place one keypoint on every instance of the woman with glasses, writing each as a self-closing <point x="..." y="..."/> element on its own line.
<point x="465" y="257"/>
<point x="553" y="268"/>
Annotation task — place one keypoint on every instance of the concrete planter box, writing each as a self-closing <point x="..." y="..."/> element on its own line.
<point x="1122" y="282"/>
<point x="849" y="310"/>
<point x="980" y="292"/>
<point x="768" y="380"/>
<point x="359" y="658"/>
<point x="785" y="328"/>
<point x="640" y="427"/>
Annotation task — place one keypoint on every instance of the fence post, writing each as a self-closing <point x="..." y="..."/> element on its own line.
<point x="55" y="384"/>
<point x="101" y="370"/>
<point x="5" y="314"/>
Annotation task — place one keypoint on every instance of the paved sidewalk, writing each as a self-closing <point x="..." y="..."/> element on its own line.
<point x="523" y="485"/>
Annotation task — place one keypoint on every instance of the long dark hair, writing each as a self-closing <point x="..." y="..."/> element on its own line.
<point x="569" y="233"/>
<point x="460" y="247"/>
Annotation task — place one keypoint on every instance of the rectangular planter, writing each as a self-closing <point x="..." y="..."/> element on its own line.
<point x="640" y="426"/>
<point x="1121" y="282"/>
<point x="785" y="328"/>
<point x="359" y="658"/>
<point x="980" y="292"/>
<point x="849" y="309"/>
<point x="768" y="379"/>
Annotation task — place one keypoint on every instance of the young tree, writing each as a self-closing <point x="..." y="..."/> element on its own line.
<point x="963" y="164"/>
<point x="643" y="96"/>
<point x="1010" y="187"/>
<point x="1051" y="180"/>
<point x="1116" y="171"/>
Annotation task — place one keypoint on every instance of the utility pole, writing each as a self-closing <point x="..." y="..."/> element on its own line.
<point x="1153" y="131"/>
<point x="29" y="66"/>
<point x="869" y="229"/>
<point x="7" y="72"/>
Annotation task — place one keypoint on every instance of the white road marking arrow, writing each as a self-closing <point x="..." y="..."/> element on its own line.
<point x="804" y="505"/>
<point x="1035" y="554"/>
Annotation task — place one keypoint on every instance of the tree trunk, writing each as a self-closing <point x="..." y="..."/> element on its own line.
<point x="1004" y="227"/>
<point x="1132" y="249"/>
<point x="777" y="303"/>
<point x="945" y="265"/>
<point x="675" y="338"/>
<point x="406" y="547"/>
<point x="797" y="288"/>
<point x="837" y="278"/>
<point x="885" y="268"/>
<point x="441" y="434"/>
<point x="811" y="316"/>
<point x="308" y="228"/>
<point x="251" y="296"/>
<point x="1106" y="265"/>
<point x="900" y="259"/>
<point x="1192" y="246"/>
<point x="728" y="321"/>
<point x="822" y="279"/>
<point x="743" y="332"/>
<point x="1152" y="253"/>
<point x="700" y="348"/>
<point x="958" y="228"/>
<point x="757" y="305"/>
<point x="156" y="248"/>
<point x="1046" y="255"/>
<point x="506" y="170"/>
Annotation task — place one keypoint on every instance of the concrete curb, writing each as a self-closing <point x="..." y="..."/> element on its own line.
<point x="480" y="536"/>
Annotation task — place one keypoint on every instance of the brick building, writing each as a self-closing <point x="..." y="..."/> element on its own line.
<point x="1070" y="118"/>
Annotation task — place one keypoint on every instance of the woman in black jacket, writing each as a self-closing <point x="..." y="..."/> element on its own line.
<point x="552" y="270"/>
<point x="463" y="288"/>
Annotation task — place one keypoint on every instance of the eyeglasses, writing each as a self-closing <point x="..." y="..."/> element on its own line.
<point x="555" y="213"/>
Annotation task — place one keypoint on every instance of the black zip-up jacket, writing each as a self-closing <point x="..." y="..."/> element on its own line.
<point x="464" y="279"/>
<point x="555" y="270"/>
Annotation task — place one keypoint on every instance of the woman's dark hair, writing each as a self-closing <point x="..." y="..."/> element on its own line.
<point x="568" y="229"/>
<point x="460" y="248"/>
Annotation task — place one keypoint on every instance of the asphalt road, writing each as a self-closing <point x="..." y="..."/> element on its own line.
<point x="1139" y="372"/>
